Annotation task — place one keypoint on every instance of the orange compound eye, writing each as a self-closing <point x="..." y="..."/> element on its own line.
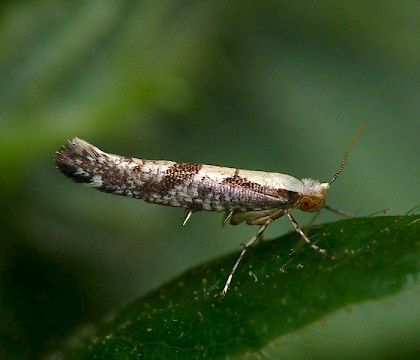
<point x="306" y="204"/>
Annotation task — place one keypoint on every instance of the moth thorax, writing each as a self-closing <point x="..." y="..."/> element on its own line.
<point x="314" y="201"/>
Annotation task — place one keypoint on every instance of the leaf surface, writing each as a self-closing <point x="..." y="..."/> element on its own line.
<point x="281" y="285"/>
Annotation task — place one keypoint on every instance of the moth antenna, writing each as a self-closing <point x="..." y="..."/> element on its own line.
<point x="346" y="154"/>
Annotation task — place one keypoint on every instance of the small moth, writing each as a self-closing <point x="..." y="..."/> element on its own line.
<point x="254" y="197"/>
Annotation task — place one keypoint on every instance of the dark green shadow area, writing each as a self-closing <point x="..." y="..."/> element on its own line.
<point x="281" y="286"/>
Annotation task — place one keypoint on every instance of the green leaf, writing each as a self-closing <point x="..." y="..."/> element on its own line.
<point x="280" y="286"/>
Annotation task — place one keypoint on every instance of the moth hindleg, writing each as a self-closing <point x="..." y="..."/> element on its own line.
<point x="249" y="244"/>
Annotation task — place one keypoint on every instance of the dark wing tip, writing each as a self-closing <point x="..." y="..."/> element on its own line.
<point x="70" y="160"/>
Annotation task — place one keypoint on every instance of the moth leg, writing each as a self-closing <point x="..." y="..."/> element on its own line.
<point x="187" y="216"/>
<point x="227" y="217"/>
<point x="300" y="231"/>
<point x="335" y="211"/>
<point x="311" y="222"/>
<point x="339" y="212"/>
<point x="253" y="217"/>
<point x="241" y="255"/>
<point x="262" y="220"/>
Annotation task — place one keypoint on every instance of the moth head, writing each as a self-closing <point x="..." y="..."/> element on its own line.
<point x="314" y="193"/>
<point x="313" y="199"/>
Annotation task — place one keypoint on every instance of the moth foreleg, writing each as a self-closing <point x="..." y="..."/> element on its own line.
<point x="312" y="221"/>
<point x="249" y="244"/>
<point x="339" y="212"/>
<point x="300" y="231"/>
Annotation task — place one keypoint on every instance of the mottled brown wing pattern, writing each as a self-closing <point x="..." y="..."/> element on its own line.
<point x="192" y="186"/>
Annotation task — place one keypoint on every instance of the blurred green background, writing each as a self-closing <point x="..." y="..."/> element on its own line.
<point x="277" y="85"/>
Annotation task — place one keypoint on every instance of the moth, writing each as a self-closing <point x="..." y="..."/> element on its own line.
<point x="253" y="197"/>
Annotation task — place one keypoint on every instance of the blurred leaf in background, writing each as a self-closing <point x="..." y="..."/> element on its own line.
<point x="277" y="86"/>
